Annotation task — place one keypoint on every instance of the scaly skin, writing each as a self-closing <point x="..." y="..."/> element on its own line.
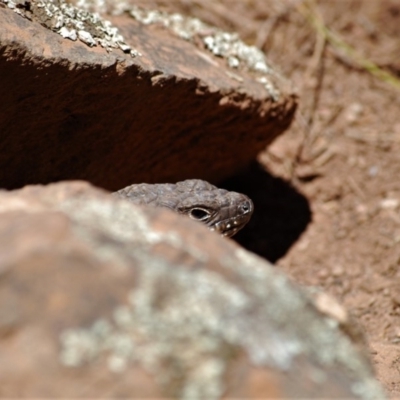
<point x="222" y="211"/>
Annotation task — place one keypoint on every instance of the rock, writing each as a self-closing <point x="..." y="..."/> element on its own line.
<point x="102" y="298"/>
<point x="188" y="103"/>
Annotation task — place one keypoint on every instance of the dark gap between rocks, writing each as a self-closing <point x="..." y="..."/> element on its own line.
<point x="281" y="213"/>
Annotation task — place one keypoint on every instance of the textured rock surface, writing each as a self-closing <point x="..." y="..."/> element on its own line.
<point x="101" y="298"/>
<point x="177" y="111"/>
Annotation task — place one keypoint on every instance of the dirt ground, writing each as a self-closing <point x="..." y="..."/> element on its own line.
<point x="327" y="193"/>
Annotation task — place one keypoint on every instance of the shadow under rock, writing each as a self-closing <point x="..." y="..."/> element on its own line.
<point x="281" y="213"/>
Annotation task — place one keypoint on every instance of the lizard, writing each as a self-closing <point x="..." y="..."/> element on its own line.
<point x="220" y="210"/>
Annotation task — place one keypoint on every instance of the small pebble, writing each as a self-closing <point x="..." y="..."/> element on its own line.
<point x="373" y="171"/>
<point x="337" y="270"/>
<point x="389" y="203"/>
<point x="323" y="273"/>
<point x="354" y="112"/>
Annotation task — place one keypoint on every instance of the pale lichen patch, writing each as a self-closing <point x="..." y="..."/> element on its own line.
<point x="125" y="222"/>
<point x="238" y="55"/>
<point x="222" y="44"/>
<point x="180" y="339"/>
<point x="72" y="22"/>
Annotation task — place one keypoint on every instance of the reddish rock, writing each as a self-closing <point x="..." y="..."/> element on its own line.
<point x="70" y="111"/>
<point x="102" y="298"/>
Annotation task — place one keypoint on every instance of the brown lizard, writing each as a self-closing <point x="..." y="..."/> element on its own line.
<point x="221" y="210"/>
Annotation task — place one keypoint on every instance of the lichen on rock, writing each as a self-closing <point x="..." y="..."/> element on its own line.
<point x="72" y="22"/>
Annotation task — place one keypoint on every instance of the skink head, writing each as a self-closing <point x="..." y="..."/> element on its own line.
<point x="222" y="211"/>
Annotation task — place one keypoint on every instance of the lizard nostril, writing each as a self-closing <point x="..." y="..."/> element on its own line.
<point x="245" y="207"/>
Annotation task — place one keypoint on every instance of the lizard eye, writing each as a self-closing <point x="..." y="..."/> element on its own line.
<point x="199" y="213"/>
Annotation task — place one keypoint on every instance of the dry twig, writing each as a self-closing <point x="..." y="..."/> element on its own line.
<point x="309" y="10"/>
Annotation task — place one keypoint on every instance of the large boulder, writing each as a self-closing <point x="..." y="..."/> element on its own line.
<point x="169" y="103"/>
<point x="102" y="298"/>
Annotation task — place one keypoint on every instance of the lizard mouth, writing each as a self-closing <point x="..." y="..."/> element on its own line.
<point x="231" y="226"/>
